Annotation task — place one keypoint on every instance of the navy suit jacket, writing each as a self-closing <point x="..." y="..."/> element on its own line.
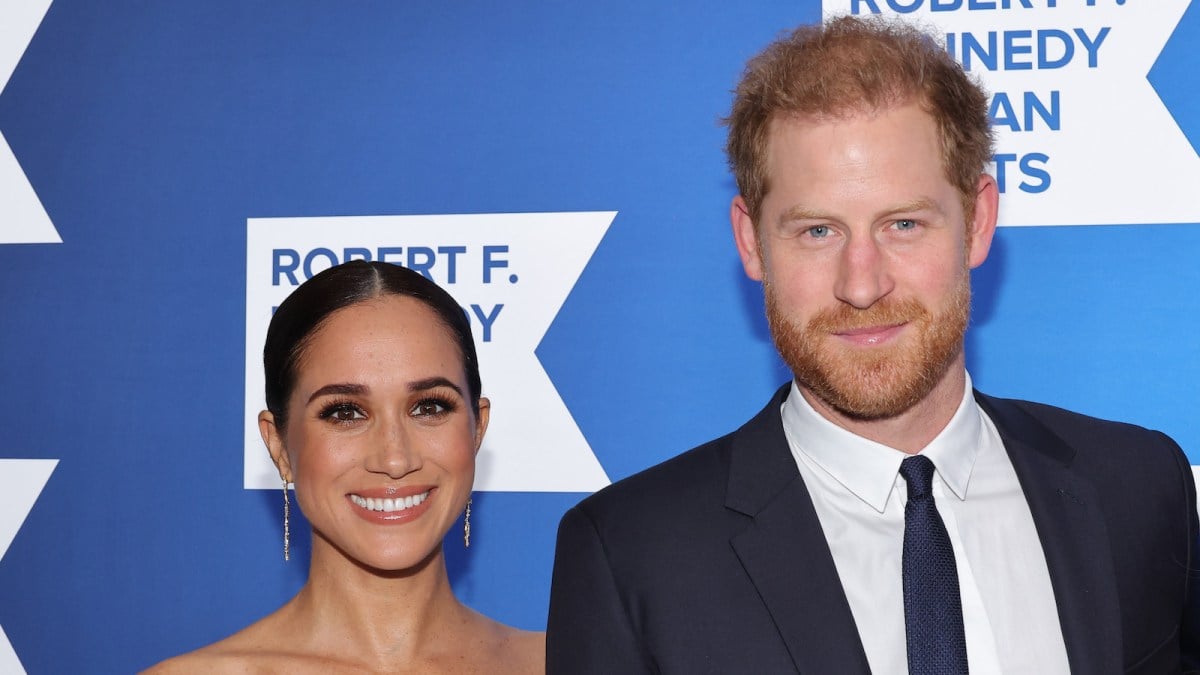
<point x="715" y="561"/>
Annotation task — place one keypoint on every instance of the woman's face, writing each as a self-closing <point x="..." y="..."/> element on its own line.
<point x="381" y="438"/>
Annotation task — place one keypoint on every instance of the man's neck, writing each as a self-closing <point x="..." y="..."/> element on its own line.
<point x="911" y="430"/>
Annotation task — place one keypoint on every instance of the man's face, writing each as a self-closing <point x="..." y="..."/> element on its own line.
<point x="864" y="255"/>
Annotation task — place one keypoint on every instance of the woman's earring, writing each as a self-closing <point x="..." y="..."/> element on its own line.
<point x="287" y="513"/>
<point x="467" y="526"/>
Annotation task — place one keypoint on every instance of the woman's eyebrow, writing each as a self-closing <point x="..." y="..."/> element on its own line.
<point x="432" y="383"/>
<point x="342" y="388"/>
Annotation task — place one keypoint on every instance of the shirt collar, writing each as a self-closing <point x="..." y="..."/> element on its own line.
<point x="869" y="469"/>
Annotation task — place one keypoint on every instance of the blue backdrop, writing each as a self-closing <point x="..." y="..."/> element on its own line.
<point x="152" y="131"/>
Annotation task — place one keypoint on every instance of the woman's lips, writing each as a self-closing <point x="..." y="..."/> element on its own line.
<point x="391" y="505"/>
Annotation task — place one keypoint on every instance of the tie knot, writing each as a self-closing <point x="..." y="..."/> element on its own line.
<point x="918" y="473"/>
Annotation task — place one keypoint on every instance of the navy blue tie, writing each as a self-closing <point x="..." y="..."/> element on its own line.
<point x="933" y="619"/>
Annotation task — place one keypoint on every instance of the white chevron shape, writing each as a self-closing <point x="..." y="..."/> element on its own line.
<point x="21" y="482"/>
<point x="9" y="663"/>
<point x="23" y="219"/>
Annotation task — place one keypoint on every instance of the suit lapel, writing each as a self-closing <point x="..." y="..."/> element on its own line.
<point x="784" y="551"/>
<point x="787" y="558"/>
<point x="1070" y="525"/>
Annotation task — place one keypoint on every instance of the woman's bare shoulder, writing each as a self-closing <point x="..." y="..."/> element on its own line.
<point x="240" y="653"/>
<point x="529" y="651"/>
<point x="209" y="659"/>
<point x="518" y="651"/>
<point x="223" y="658"/>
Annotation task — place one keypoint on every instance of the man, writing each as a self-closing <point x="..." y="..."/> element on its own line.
<point x="879" y="515"/>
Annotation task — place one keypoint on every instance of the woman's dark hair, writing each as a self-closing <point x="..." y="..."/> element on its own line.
<point x="307" y="308"/>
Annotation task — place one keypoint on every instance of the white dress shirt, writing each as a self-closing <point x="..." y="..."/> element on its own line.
<point x="1009" y="613"/>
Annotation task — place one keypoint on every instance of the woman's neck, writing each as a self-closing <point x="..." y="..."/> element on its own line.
<point x="384" y="617"/>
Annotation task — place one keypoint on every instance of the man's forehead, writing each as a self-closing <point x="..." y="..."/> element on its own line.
<point x="842" y="113"/>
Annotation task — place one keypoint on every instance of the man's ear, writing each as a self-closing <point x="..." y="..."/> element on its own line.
<point x="481" y="421"/>
<point x="274" y="441"/>
<point x="745" y="236"/>
<point x="983" y="224"/>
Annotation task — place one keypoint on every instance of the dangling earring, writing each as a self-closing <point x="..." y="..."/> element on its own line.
<point x="467" y="526"/>
<point x="287" y="513"/>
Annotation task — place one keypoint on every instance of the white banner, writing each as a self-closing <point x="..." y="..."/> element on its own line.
<point x="1082" y="137"/>
<point x="510" y="272"/>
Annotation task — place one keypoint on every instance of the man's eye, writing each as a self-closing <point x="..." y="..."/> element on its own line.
<point x="906" y="224"/>
<point x="818" y="231"/>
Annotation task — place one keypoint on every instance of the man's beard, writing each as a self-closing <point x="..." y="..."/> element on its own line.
<point x="872" y="383"/>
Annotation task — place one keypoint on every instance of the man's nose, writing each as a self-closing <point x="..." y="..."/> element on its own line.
<point x="863" y="275"/>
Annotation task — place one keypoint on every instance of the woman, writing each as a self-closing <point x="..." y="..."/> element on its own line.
<point x="374" y="414"/>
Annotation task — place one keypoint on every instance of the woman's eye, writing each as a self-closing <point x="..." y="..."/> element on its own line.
<point x="431" y="408"/>
<point x="343" y="412"/>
